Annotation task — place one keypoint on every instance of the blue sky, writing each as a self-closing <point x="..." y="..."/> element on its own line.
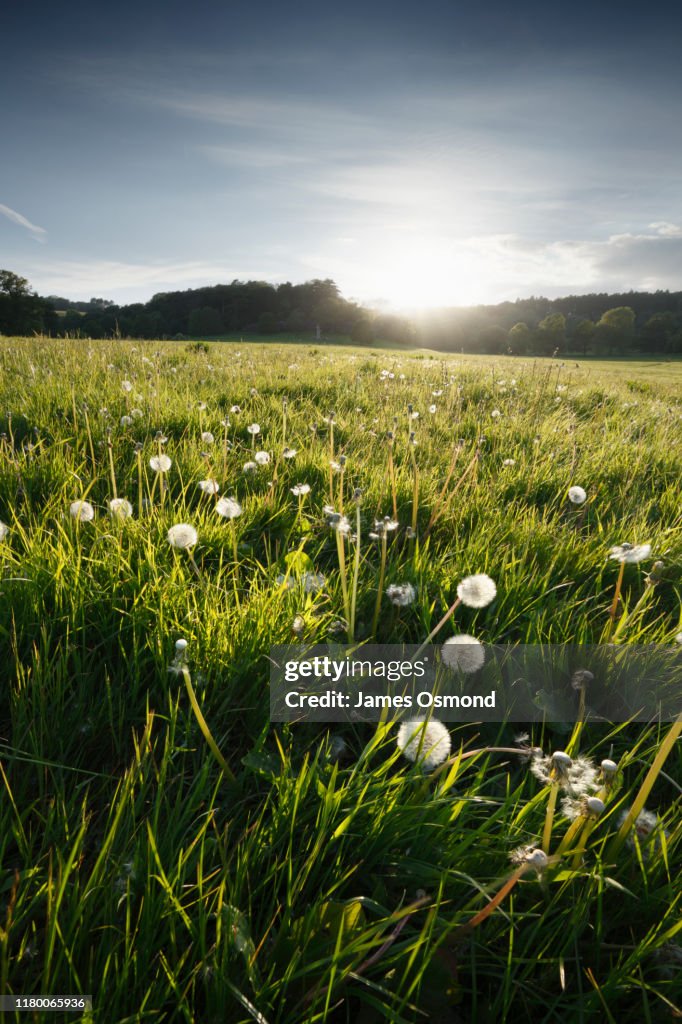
<point x="419" y="155"/>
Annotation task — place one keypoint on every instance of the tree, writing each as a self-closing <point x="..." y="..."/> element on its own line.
<point x="205" y="320"/>
<point x="520" y="339"/>
<point x="21" y="310"/>
<point x="551" y="333"/>
<point x="582" y="336"/>
<point x="615" y="331"/>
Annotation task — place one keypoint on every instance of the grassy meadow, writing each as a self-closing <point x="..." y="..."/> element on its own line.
<point x="166" y="848"/>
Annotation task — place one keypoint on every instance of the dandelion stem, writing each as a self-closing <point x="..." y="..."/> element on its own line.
<point x="356" y="575"/>
<point x="344" y="579"/>
<point x="391" y="474"/>
<point x="616" y="598"/>
<point x="112" y="468"/>
<point x="380" y="588"/>
<point x="504" y="891"/>
<point x="415" y="490"/>
<point x="436" y="629"/>
<point x="549" y="817"/>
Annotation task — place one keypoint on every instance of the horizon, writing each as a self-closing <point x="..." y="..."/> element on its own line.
<point x="440" y="158"/>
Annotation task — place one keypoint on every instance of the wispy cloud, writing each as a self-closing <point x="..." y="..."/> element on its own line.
<point x="40" y="234"/>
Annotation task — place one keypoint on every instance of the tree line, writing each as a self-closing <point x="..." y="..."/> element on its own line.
<point x="599" y="324"/>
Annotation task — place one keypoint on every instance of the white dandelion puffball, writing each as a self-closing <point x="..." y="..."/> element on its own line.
<point x="630" y="553"/>
<point x="207" y="437"/>
<point x="250" y="467"/>
<point x="126" y="421"/>
<point x="577" y="495"/>
<point x="463" y="652"/>
<point x="432" y="409"/>
<point x="476" y="591"/>
<point x="253" y="428"/>
<point x="126" y="386"/>
<point x="4" y="530"/>
<point x="228" y="508"/>
<point x="82" y="511"/>
<point x="509" y="462"/>
<point x="290" y="453"/>
<point x="182" y="536"/>
<point x="678" y="638"/>
<point x="401" y="594"/>
<point x="119" y="508"/>
<point x="428" y="743"/>
<point x="262" y="458"/>
<point x="496" y="414"/>
<point x="160" y="463"/>
<point x="300" y="489"/>
<point x="209" y="486"/>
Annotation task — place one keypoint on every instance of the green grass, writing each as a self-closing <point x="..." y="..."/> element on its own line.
<point x="319" y="887"/>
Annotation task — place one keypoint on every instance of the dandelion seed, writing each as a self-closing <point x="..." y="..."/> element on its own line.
<point x="608" y="768"/>
<point x="298" y="490"/>
<point x="182" y="536"/>
<point x="428" y="743"/>
<point x="82" y="511"/>
<point x="630" y="553"/>
<point x="209" y="486"/>
<point x="228" y="508"/>
<point x="207" y="437"/>
<point x="532" y="856"/>
<point x="464" y="653"/>
<point x="401" y="594"/>
<point x="577" y="777"/>
<point x="477" y="591"/>
<point x="582" y="807"/>
<point x="180" y="660"/>
<point x="577" y="495"/>
<point x="160" y="463"/>
<point x="119" y="508"/>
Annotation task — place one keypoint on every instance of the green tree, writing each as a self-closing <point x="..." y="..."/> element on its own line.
<point x="582" y="336"/>
<point x="551" y="333"/>
<point x="520" y="339"/>
<point x="615" y="331"/>
<point x="21" y="310"/>
<point x="205" y="320"/>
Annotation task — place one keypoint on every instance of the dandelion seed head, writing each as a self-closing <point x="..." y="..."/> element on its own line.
<point x="253" y="428"/>
<point x="464" y="653"/>
<point x="608" y="768"/>
<point x="289" y="453"/>
<point x="250" y="467"/>
<point x="120" y="508"/>
<point x="126" y="421"/>
<point x="531" y="856"/>
<point x="262" y="458"/>
<point x="4" y="530"/>
<point x="209" y="486"/>
<point x="476" y="591"/>
<point x="299" y="490"/>
<point x="160" y="463"/>
<point x="228" y="508"/>
<point x="630" y="553"/>
<point x="425" y="742"/>
<point x="401" y="594"/>
<point x="509" y="462"/>
<point x="182" y="536"/>
<point x="577" y="495"/>
<point x="126" y="386"/>
<point x="207" y="437"/>
<point x="82" y="511"/>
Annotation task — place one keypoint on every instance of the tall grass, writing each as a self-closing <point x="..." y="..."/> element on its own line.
<point x="330" y="879"/>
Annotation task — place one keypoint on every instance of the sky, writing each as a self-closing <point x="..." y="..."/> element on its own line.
<point x="431" y="154"/>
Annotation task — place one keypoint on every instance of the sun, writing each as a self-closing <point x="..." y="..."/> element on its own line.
<point x="425" y="273"/>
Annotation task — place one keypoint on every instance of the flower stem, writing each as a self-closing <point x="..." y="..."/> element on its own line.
<point x="380" y="589"/>
<point x="549" y="817"/>
<point x="213" y="746"/>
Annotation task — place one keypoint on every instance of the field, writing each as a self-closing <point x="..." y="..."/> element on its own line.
<point x="165" y="847"/>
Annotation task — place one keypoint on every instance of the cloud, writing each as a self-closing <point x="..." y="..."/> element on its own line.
<point x="39" y="234"/>
<point x="127" y="282"/>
